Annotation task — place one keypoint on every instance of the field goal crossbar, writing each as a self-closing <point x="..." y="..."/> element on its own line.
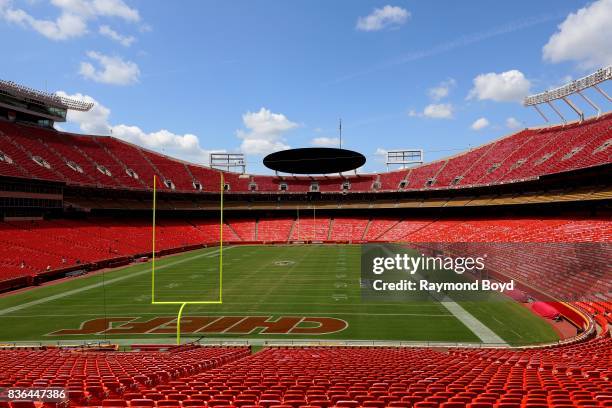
<point x="179" y="302"/>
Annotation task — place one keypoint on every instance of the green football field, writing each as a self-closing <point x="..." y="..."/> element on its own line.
<point x="269" y="293"/>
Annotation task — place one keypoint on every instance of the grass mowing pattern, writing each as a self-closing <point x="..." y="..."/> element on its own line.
<point x="317" y="281"/>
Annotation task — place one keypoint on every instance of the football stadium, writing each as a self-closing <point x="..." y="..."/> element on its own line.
<point x="312" y="276"/>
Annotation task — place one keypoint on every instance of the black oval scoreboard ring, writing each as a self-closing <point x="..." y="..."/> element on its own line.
<point x="314" y="160"/>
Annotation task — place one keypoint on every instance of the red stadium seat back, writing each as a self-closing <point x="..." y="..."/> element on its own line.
<point x="114" y="403"/>
<point x="22" y="404"/>
<point x="192" y="403"/>
<point x="168" y="403"/>
<point x="141" y="402"/>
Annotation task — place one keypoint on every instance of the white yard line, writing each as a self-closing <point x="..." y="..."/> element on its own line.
<point x="97" y="285"/>
<point x="485" y="334"/>
<point x="518" y="334"/>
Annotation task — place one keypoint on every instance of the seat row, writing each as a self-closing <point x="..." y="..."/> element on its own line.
<point x="576" y="375"/>
<point x="106" y="162"/>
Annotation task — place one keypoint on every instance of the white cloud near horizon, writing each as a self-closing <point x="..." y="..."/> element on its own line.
<point x="325" y="141"/>
<point x="97" y="122"/>
<point x="380" y="155"/>
<point x="265" y="132"/>
<point x="380" y="151"/>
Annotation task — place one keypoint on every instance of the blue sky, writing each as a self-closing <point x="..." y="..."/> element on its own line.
<point x="188" y="77"/>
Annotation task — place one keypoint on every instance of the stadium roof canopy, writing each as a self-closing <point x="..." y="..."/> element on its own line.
<point x="314" y="160"/>
<point x="43" y="97"/>
<point x="576" y="87"/>
<point x="37" y="106"/>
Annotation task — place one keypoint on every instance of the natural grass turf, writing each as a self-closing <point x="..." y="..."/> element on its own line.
<point x="320" y="281"/>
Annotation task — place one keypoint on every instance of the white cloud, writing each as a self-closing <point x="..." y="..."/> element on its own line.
<point x="262" y="146"/>
<point x="63" y="27"/>
<point x="96" y="121"/>
<point x="112" y="69"/>
<point x="381" y="152"/>
<point x="186" y="146"/>
<point x="513" y="123"/>
<point x="480" y="124"/>
<point x="509" y="86"/>
<point x="584" y="36"/>
<point x="326" y="141"/>
<point x="434" y="111"/>
<point x="442" y="90"/>
<point x="381" y="18"/>
<point x="72" y="19"/>
<point x="125" y="40"/>
<point x="99" y="8"/>
<point x="265" y="132"/>
<point x="438" y="111"/>
<point x="380" y="155"/>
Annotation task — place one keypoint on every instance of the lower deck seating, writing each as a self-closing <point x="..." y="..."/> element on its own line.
<point x="31" y="247"/>
<point x="274" y="229"/>
<point x="564" y="376"/>
<point x="310" y="229"/>
<point x="327" y="377"/>
<point x="96" y="378"/>
<point x="378" y="227"/>
<point x="348" y="229"/>
<point x="245" y="229"/>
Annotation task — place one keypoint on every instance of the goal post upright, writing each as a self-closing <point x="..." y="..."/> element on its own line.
<point x="153" y="243"/>
<point x="153" y="248"/>
<point x="222" y="189"/>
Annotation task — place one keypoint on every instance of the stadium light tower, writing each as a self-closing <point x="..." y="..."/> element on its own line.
<point x="575" y="87"/>
<point x="40" y="104"/>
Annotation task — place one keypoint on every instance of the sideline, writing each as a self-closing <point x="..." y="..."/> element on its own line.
<point x="97" y="285"/>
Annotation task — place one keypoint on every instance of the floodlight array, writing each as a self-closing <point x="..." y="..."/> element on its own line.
<point x="597" y="77"/>
<point x="11" y="88"/>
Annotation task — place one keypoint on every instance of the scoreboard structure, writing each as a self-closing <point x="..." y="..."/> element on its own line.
<point x="404" y="157"/>
<point x="228" y="161"/>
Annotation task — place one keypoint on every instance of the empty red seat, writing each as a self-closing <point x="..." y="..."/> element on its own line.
<point x="141" y="402"/>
